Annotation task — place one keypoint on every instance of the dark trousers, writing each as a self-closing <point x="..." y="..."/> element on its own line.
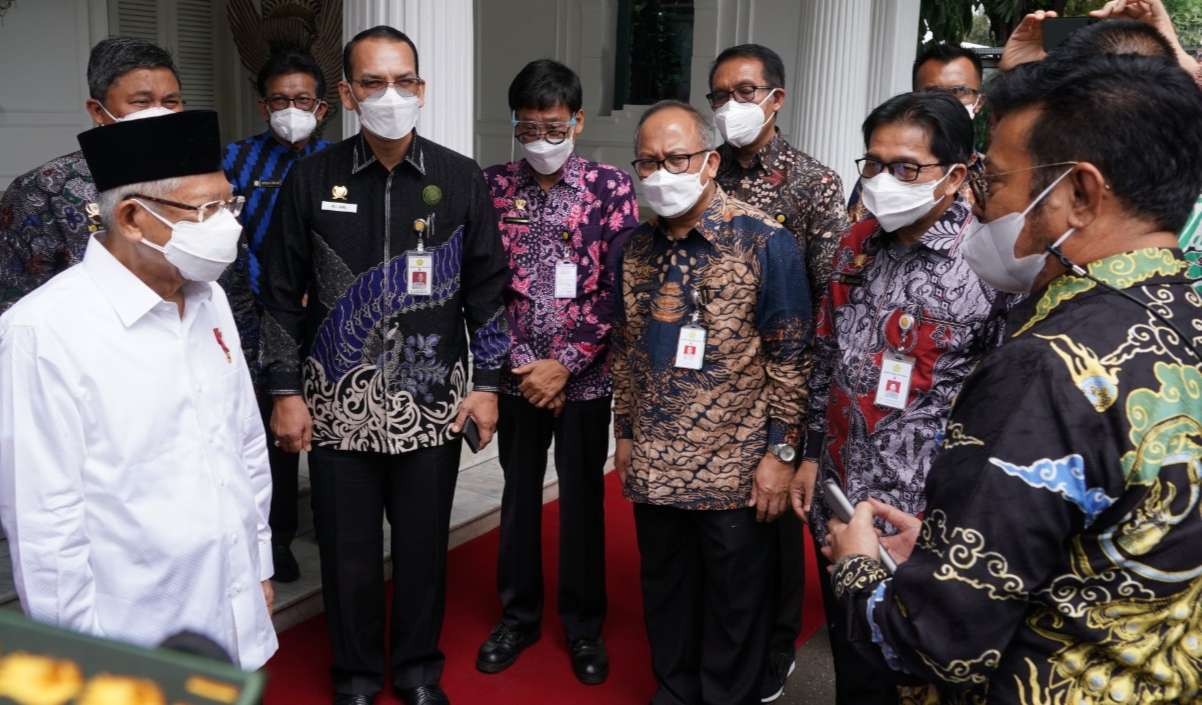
<point x="352" y="492"/>
<point x="705" y="578"/>
<point x="788" y="589"/>
<point x="581" y="434"/>
<point x="855" y="677"/>
<point x="284" y="470"/>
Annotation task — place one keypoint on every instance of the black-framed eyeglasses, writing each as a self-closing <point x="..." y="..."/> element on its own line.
<point x="282" y="102"/>
<point x="673" y="164"/>
<point x="204" y="211"/>
<point x="989" y="179"/>
<point x="372" y="86"/>
<point x="527" y="131"/>
<point x="745" y="93"/>
<point x="902" y="171"/>
<point x="965" y="94"/>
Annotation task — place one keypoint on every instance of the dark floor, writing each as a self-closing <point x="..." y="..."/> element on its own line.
<point x="813" y="683"/>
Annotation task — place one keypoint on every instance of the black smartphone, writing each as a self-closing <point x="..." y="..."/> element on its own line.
<point x="1057" y="29"/>
<point x="471" y="434"/>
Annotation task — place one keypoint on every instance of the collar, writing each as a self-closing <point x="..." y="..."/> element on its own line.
<point x="762" y="159"/>
<point x="712" y="218"/>
<point x="572" y="177"/>
<point x="267" y="137"/>
<point x="126" y="293"/>
<point x="363" y="157"/>
<point x="944" y="235"/>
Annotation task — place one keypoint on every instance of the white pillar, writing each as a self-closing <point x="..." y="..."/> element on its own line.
<point x="894" y="46"/>
<point x="832" y="77"/>
<point x="443" y="31"/>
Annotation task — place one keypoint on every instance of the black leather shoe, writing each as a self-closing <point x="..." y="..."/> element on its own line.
<point x="502" y="648"/>
<point x="424" y="695"/>
<point x="352" y="699"/>
<point x="777" y="671"/>
<point x="590" y="663"/>
<point x="286" y="568"/>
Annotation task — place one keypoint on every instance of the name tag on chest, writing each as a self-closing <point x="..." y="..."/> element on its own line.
<point x="893" y="389"/>
<point x="565" y="280"/>
<point x="690" y="348"/>
<point x="340" y="207"/>
<point x="420" y="274"/>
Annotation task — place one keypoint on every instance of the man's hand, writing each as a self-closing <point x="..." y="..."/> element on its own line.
<point x="542" y="381"/>
<point x="269" y="595"/>
<point x="481" y="406"/>
<point x="857" y="538"/>
<point x="291" y="423"/>
<point x="770" y="490"/>
<point x="1150" y="12"/>
<point x="901" y="544"/>
<point x="1026" y="41"/>
<point x="622" y="456"/>
<point x="557" y="404"/>
<point x="801" y="489"/>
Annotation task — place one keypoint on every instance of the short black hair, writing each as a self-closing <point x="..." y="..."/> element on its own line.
<point x="945" y="53"/>
<point x="1115" y="37"/>
<point x="943" y="117"/>
<point x="114" y="57"/>
<point x="702" y="124"/>
<point x="543" y="84"/>
<point x="1138" y="119"/>
<point x="291" y="60"/>
<point x="774" y="68"/>
<point x="380" y="31"/>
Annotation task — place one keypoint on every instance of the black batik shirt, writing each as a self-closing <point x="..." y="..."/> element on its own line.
<point x="382" y="370"/>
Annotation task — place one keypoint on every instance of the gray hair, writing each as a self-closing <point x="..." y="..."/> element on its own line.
<point x="109" y="200"/>
<point x="704" y="128"/>
<point x="114" y="57"/>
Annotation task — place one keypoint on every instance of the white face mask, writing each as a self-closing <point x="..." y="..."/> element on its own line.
<point x="989" y="250"/>
<point x="293" y="124"/>
<point x="155" y="111"/>
<point x="740" y="123"/>
<point x="896" y="204"/>
<point x="547" y="158"/>
<point x="389" y="114"/>
<point x="669" y="195"/>
<point x="200" y="251"/>
<point x="972" y="109"/>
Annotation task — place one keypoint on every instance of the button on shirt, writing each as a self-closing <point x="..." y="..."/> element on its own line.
<point x="134" y="485"/>
<point x="700" y="434"/>
<point x="578" y="220"/>
<point x="383" y="369"/>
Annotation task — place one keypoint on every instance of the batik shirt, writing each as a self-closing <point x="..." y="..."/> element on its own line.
<point x="255" y="167"/>
<point x="700" y="434"/>
<point x="1060" y="560"/>
<point x="578" y="220"/>
<point x="1191" y="245"/>
<point x="43" y="225"/>
<point x="922" y="301"/>
<point x="800" y="193"/>
<point x="383" y="369"/>
<point x="974" y="184"/>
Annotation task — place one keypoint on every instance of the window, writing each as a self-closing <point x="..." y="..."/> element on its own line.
<point x="654" y="51"/>
<point x="187" y="29"/>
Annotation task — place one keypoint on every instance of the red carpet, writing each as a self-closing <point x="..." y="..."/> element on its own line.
<point x="299" y="672"/>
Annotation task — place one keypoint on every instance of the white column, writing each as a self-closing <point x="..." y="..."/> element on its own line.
<point x="894" y="46"/>
<point x="832" y="77"/>
<point x="443" y="32"/>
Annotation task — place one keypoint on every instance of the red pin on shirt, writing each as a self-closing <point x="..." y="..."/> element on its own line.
<point x="224" y="348"/>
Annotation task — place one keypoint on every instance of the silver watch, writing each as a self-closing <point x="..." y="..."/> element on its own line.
<point x="785" y="452"/>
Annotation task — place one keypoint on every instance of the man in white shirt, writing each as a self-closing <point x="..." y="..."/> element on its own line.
<point x="134" y="485"/>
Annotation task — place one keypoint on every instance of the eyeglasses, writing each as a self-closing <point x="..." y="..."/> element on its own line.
<point x="902" y="171"/>
<point x="527" y="131"/>
<point x="745" y="93"/>
<point x="989" y="180"/>
<point x="282" y="102"/>
<point x="378" y="85"/>
<point x="205" y="210"/>
<point x="673" y="164"/>
<point x="965" y="94"/>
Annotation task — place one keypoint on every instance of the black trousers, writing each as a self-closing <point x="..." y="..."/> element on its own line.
<point x="788" y="589"/>
<point x="285" y="468"/>
<point x="856" y="681"/>
<point x="581" y="434"/>
<point x="352" y="492"/>
<point x="706" y="579"/>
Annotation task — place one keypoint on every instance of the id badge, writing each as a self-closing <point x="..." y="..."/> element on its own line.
<point x="893" y="390"/>
<point x="690" y="348"/>
<point x="565" y="280"/>
<point x="419" y="273"/>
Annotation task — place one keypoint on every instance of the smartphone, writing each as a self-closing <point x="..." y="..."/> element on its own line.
<point x="1057" y="29"/>
<point x="837" y="502"/>
<point x="471" y="434"/>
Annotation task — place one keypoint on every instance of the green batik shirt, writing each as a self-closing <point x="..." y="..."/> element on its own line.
<point x="1059" y="561"/>
<point x="1191" y="245"/>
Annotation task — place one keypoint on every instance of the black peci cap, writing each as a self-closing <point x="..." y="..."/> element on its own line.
<point x="153" y="149"/>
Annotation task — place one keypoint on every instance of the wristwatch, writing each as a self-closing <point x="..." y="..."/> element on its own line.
<point x="785" y="452"/>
